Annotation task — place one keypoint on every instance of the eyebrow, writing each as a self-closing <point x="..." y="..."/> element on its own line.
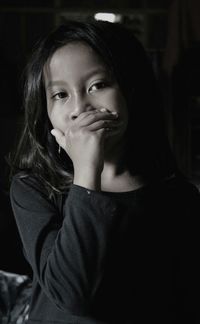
<point x="61" y="83"/>
<point x="51" y="83"/>
<point x="97" y="71"/>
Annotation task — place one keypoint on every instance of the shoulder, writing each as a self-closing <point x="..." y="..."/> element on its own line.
<point x="183" y="185"/>
<point x="22" y="183"/>
<point x="29" y="189"/>
<point x="176" y="190"/>
<point x="182" y="193"/>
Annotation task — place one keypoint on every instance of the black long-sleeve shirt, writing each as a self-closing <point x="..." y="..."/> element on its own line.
<point x="121" y="258"/>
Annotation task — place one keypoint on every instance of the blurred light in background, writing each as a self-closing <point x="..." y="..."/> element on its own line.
<point x="111" y="17"/>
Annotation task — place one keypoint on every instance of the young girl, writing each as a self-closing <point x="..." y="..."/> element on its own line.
<point x="106" y="222"/>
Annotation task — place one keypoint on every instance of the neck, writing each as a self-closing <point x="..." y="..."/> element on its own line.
<point x="116" y="176"/>
<point x="119" y="181"/>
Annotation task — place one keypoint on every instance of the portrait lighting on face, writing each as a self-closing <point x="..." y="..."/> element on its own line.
<point x="111" y="17"/>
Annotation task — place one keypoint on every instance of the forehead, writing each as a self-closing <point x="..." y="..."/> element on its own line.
<point x="74" y="57"/>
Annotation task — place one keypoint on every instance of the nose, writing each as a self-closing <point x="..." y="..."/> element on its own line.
<point x="79" y="104"/>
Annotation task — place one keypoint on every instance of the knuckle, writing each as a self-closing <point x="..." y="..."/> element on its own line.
<point x="92" y="118"/>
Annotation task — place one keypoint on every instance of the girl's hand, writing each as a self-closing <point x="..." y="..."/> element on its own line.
<point x="83" y="141"/>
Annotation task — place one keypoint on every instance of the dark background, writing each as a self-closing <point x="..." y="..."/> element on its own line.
<point x="23" y="22"/>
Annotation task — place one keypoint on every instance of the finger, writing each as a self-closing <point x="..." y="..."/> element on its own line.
<point x="104" y="124"/>
<point x="91" y="118"/>
<point x="59" y="137"/>
<point x="111" y="131"/>
<point x="93" y="111"/>
<point x="107" y="132"/>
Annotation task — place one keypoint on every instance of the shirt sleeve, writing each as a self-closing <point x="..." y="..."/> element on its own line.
<point x="66" y="252"/>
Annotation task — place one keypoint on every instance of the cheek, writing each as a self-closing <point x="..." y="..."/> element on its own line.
<point x="121" y="107"/>
<point x="57" y="119"/>
<point x="115" y="101"/>
<point x="112" y="100"/>
<point x="52" y="116"/>
<point x="49" y="110"/>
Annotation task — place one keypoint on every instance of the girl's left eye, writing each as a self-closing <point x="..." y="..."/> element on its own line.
<point x="97" y="86"/>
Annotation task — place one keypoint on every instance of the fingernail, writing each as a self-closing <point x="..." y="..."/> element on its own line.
<point x="114" y="113"/>
<point x="53" y="132"/>
<point x="103" y="109"/>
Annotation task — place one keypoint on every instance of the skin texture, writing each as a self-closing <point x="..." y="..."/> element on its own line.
<point x="88" y="112"/>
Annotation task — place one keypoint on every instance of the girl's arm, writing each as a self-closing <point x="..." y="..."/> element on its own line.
<point x="66" y="252"/>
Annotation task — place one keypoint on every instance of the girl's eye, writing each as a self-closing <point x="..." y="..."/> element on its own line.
<point x="97" y="86"/>
<point x="59" y="95"/>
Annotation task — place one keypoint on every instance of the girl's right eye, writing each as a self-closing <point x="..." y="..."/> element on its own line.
<point x="59" y="95"/>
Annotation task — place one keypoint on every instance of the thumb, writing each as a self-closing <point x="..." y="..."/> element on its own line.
<point x="59" y="136"/>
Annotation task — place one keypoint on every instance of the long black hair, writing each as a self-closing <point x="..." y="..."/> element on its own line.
<point x="148" y="152"/>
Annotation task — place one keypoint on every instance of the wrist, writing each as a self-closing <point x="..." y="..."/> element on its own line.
<point x="89" y="179"/>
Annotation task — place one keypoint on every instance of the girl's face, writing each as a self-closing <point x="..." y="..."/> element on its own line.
<point x="76" y="80"/>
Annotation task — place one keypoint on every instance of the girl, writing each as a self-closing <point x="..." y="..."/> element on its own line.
<point x="103" y="215"/>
